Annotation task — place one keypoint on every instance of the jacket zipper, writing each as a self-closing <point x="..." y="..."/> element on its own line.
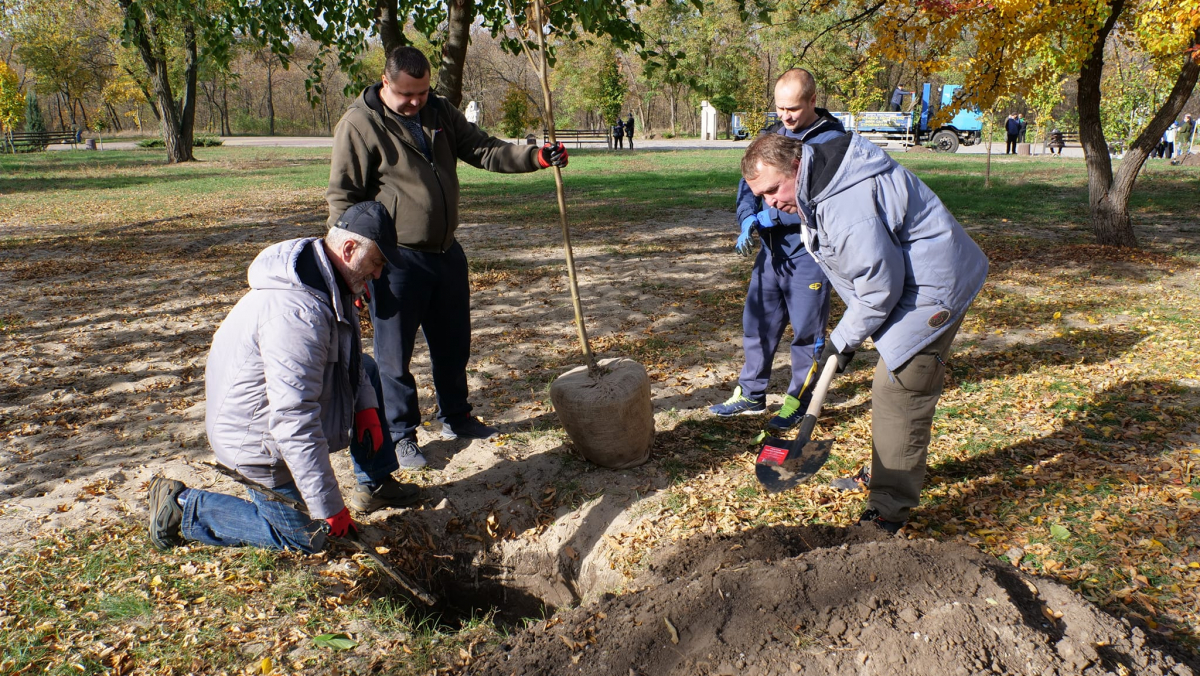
<point x="441" y="188"/>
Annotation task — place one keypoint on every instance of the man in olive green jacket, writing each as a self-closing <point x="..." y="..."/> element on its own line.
<point x="400" y="145"/>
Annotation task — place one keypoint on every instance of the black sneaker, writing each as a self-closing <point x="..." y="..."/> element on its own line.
<point x="859" y="481"/>
<point x="408" y="453"/>
<point x="390" y="493"/>
<point x="471" y="428"/>
<point x="872" y="516"/>
<point x="166" y="516"/>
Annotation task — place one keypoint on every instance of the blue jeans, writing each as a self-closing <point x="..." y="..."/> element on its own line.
<point x="225" y="521"/>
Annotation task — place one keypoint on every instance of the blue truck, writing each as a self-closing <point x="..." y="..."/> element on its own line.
<point x="917" y="128"/>
<point x="912" y="128"/>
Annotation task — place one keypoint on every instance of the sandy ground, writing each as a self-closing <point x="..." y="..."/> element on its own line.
<point x="104" y="353"/>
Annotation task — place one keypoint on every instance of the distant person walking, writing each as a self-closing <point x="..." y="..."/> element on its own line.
<point x="629" y="130"/>
<point x="898" y="95"/>
<point x="1012" y="128"/>
<point x="618" y="132"/>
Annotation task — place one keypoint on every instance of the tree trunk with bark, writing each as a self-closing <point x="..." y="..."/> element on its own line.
<point x="1108" y="195"/>
<point x="179" y="144"/>
<point x="187" y="107"/>
<point x="461" y="14"/>
<point x="390" y="25"/>
<point x="270" y="100"/>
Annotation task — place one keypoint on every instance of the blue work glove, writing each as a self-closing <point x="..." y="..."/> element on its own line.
<point x="766" y="218"/>
<point x="745" y="245"/>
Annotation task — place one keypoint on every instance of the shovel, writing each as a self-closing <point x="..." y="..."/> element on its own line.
<point x="782" y="463"/>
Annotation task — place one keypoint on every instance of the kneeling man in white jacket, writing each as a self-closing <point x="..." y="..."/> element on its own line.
<point x="287" y="384"/>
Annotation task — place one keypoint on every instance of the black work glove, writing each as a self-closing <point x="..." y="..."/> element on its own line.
<point x="552" y="154"/>
<point x="842" y="357"/>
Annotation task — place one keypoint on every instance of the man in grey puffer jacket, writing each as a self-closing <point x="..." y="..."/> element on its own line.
<point x="907" y="272"/>
<point x="286" y="383"/>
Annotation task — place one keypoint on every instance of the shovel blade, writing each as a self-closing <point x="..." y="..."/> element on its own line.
<point x="777" y="474"/>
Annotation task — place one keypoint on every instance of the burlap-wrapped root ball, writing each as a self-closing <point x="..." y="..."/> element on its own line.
<point x="609" y="418"/>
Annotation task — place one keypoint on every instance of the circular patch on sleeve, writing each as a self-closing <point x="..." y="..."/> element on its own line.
<point x="939" y="318"/>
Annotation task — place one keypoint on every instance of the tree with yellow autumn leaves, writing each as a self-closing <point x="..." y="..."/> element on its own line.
<point x="12" y="102"/>
<point x="1021" y="45"/>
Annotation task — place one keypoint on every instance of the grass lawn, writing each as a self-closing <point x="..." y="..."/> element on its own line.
<point x="1066" y="439"/>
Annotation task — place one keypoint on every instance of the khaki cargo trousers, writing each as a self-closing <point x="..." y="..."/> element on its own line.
<point x="902" y="406"/>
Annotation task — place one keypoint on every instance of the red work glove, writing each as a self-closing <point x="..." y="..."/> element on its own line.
<point x="552" y="154"/>
<point x="364" y="300"/>
<point x="366" y="424"/>
<point x="340" y="524"/>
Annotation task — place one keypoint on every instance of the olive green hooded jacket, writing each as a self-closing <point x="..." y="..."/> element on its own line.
<point x="376" y="158"/>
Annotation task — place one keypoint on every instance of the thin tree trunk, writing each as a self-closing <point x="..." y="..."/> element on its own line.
<point x="83" y="112"/>
<point x="191" y="72"/>
<point x="461" y="14"/>
<point x="112" y="114"/>
<point x="671" y="98"/>
<point x="225" y="108"/>
<point x="270" y="101"/>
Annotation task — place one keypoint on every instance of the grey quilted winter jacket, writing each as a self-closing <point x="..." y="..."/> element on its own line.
<point x="278" y="378"/>
<point x="903" y="265"/>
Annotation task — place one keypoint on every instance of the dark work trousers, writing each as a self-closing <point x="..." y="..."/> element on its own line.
<point x="783" y="289"/>
<point x="903" y="401"/>
<point x="430" y="291"/>
<point x="1010" y="147"/>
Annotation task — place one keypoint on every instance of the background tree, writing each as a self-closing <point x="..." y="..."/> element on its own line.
<point x="34" y="122"/>
<point x="1057" y="38"/>
<point x="611" y="98"/>
<point x="67" y="47"/>
<point x="12" y="103"/>
<point x="515" y="117"/>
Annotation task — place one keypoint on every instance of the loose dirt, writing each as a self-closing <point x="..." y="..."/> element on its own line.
<point x="834" y="601"/>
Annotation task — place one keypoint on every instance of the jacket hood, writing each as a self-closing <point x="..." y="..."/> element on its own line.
<point x="275" y="270"/>
<point x="371" y="100"/>
<point x="825" y="122"/>
<point x="842" y="164"/>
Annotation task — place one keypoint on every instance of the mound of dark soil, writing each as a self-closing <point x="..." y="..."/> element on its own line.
<point x="834" y="601"/>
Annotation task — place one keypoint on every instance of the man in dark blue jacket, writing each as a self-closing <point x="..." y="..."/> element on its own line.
<point x="1012" y="127"/>
<point x="786" y="284"/>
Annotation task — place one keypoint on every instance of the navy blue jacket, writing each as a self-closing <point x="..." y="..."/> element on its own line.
<point x="784" y="239"/>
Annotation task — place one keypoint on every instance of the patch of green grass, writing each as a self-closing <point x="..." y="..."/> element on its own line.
<point x="189" y="610"/>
